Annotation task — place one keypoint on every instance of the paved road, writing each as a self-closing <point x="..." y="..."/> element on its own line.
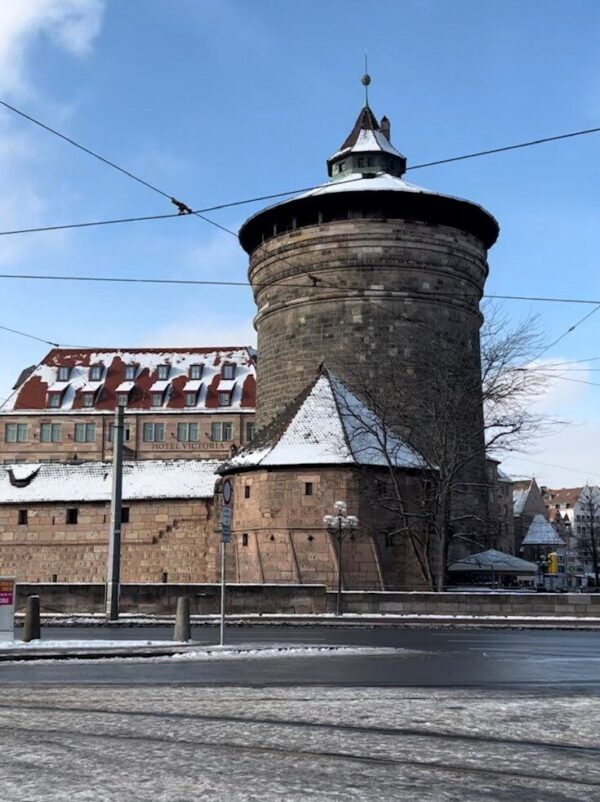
<point x="441" y="658"/>
<point x="452" y="716"/>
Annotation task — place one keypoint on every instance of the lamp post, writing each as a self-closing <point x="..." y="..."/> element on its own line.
<point x="568" y="554"/>
<point x="339" y="525"/>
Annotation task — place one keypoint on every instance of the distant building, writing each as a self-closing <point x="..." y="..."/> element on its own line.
<point x="179" y="402"/>
<point x="527" y="503"/>
<point x="501" y="516"/>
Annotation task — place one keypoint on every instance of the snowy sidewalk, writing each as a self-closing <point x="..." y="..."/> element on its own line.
<point x="192" y="650"/>
<point x="347" y="620"/>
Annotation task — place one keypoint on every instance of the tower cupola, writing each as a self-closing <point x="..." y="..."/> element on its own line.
<point x="367" y="150"/>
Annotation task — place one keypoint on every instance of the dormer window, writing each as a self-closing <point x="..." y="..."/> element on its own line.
<point x="64" y="373"/>
<point x="163" y="372"/>
<point x="54" y="400"/>
<point x="88" y="399"/>
<point x="122" y="399"/>
<point x="130" y="372"/>
<point x="156" y="399"/>
<point x="95" y="373"/>
<point x="228" y="371"/>
<point x="191" y="399"/>
<point x="224" y="399"/>
<point x="195" y="371"/>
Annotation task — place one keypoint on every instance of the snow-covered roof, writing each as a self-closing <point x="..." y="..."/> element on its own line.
<point x="542" y="533"/>
<point x="356" y="183"/>
<point x="226" y="385"/>
<point x="367" y="142"/>
<point x="31" y="396"/>
<point x="92" y="481"/>
<point x="519" y="499"/>
<point x="327" y="425"/>
<point x="499" y="561"/>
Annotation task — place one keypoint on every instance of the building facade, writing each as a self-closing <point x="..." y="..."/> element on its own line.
<point x="179" y="403"/>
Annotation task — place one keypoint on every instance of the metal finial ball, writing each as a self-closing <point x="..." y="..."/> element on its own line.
<point x="366" y="79"/>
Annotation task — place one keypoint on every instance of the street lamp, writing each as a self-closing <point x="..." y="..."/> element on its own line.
<point x="339" y="525"/>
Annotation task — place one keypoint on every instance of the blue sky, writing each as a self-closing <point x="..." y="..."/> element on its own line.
<point x="219" y="100"/>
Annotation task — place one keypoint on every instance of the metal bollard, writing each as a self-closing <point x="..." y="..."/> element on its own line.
<point x="183" y="630"/>
<point x="31" y="627"/>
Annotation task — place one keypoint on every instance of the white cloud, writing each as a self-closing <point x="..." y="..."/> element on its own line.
<point x="568" y="455"/>
<point x="71" y="25"/>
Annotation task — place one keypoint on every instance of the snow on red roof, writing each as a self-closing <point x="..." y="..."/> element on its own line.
<point x="32" y="394"/>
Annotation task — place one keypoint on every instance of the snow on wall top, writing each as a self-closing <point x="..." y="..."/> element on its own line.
<point x="33" y="393"/>
<point x="542" y="533"/>
<point x="330" y="427"/>
<point x="92" y="481"/>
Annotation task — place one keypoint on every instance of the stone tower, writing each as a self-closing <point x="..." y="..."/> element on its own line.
<point x="358" y="268"/>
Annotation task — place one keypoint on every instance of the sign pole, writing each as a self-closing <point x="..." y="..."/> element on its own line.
<point x="113" y="579"/>
<point x="222" y="627"/>
<point x="225" y="539"/>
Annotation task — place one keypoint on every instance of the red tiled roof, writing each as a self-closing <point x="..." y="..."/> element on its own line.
<point x="33" y="393"/>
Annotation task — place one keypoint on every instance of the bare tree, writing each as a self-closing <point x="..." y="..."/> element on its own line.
<point x="588" y="538"/>
<point x="450" y="396"/>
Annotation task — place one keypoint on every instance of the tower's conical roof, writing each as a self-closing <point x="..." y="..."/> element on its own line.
<point x="366" y="150"/>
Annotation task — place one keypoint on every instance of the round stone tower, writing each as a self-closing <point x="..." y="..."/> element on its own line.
<point x="361" y="267"/>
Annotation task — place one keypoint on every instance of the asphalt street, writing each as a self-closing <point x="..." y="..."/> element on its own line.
<point x="448" y="716"/>
<point x="484" y="659"/>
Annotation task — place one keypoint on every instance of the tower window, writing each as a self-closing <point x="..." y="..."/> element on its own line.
<point x="124" y="515"/>
<point x="72" y="515"/>
<point x="308" y="488"/>
<point x="22" y="517"/>
<point x="245" y="539"/>
<point x="247" y="491"/>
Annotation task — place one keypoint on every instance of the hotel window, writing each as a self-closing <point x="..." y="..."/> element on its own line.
<point x="188" y="432"/>
<point x="221" y="431"/>
<point x="163" y="372"/>
<point x="156" y="399"/>
<point x="15" y="433"/>
<point x="22" y="518"/>
<point x="95" y="373"/>
<point x="72" y="515"/>
<point x="122" y="399"/>
<point x="88" y="399"/>
<point x="130" y="371"/>
<point x="85" y="432"/>
<point x="50" y="433"/>
<point x="224" y="399"/>
<point x="63" y="374"/>
<point x="195" y="371"/>
<point x="110" y="432"/>
<point x="154" y="432"/>
<point x="228" y="371"/>
<point x="250" y="429"/>
<point x="54" y="399"/>
<point x="190" y="399"/>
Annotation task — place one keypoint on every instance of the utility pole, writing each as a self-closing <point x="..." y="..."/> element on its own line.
<point x="114" y="544"/>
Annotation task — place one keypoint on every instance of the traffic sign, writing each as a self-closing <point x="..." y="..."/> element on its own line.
<point x="227" y="492"/>
<point x="226" y="525"/>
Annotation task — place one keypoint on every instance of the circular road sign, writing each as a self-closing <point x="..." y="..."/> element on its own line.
<point x="227" y="492"/>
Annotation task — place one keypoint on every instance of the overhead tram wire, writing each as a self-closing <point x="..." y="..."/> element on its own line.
<point x="185" y="210"/>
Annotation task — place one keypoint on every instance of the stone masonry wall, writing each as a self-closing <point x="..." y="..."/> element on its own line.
<point x="278" y="534"/>
<point x="164" y="540"/>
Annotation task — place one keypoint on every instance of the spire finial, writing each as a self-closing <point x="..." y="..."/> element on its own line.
<point x="366" y="80"/>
